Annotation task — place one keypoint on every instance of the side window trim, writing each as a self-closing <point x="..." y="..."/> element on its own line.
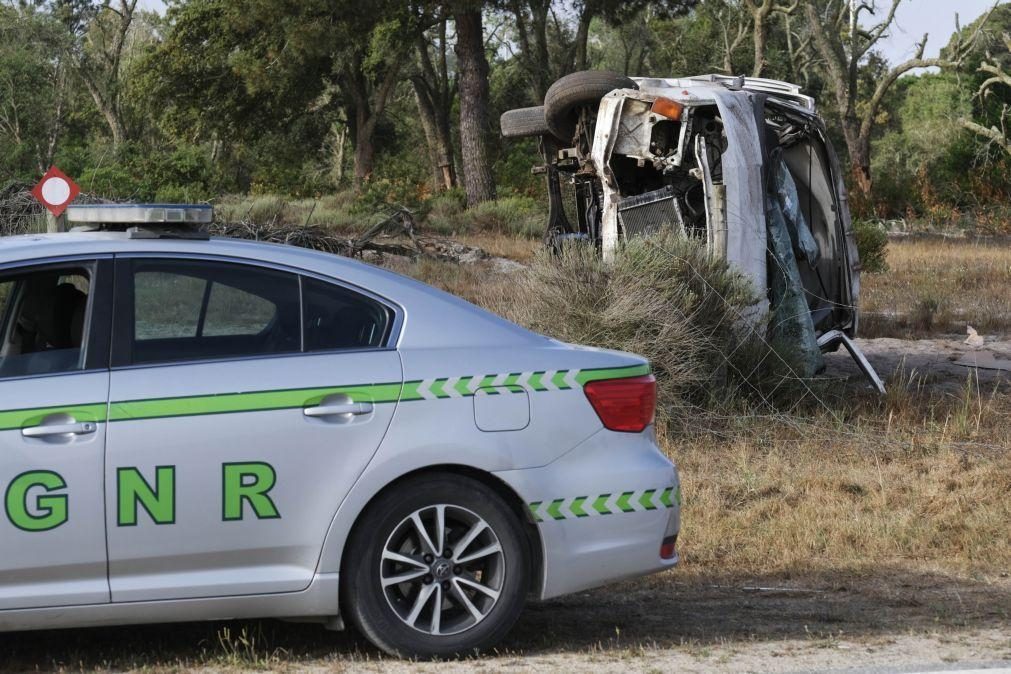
<point x="121" y="340"/>
<point x="96" y="339"/>
<point x="392" y="315"/>
<point x="124" y="308"/>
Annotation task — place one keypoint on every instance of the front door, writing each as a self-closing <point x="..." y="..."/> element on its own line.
<point x="53" y="387"/>
<point x="247" y="402"/>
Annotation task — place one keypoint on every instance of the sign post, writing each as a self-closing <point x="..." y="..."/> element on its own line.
<point x="56" y="191"/>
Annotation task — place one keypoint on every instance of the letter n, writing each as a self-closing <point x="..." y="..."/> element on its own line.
<point x="159" y="502"/>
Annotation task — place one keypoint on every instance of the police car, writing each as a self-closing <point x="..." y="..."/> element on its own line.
<point x="195" y="428"/>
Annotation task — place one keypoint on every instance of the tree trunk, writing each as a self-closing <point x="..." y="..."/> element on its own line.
<point x="365" y="151"/>
<point x="473" y="67"/>
<point x="583" y="37"/>
<point x="426" y="113"/>
<point x="364" y="159"/>
<point x="860" y="164"/>
<point x="109" y="112"/>
<point x="444" y="147"/>
<point x="759" y="39"/>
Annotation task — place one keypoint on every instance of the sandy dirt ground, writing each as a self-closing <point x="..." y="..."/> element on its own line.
<point x="941" y="363"/>
<point x="677" y="621"/>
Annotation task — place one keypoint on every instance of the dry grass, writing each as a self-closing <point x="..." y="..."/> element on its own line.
<point x="918" y="478"/>
<point x="915" y="481"/>
<point x="939" y="286"/>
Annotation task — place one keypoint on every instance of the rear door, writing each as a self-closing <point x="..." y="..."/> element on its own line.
<point x="54" y="329"/>
<point x="246" y="401"/>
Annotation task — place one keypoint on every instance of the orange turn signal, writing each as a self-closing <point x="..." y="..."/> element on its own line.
<point x="665" y="107"/>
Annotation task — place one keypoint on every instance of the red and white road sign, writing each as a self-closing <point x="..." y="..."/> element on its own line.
<point x="55" y="191"/>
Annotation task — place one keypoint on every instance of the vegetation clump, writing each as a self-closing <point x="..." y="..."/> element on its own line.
<point x="665" y="298"/>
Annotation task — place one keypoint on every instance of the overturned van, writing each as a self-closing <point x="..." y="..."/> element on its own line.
<point x="743" y="164"/>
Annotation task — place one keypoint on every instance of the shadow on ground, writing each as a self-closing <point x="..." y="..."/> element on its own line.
<point x="673" y="610"/>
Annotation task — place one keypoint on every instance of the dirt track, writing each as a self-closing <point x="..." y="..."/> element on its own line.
<point x="933" y="362"/>
<point x="675" y="621"/>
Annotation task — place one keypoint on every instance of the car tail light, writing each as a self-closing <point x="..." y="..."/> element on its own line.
<point x="668" y="548"/>
<point x="627" y="405"/>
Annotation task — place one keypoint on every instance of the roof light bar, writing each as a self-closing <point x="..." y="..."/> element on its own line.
<point x="140" y="214"/>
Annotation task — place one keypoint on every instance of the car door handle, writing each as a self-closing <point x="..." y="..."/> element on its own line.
<point x="47" y="430"/>
<point x="353" y="409"/>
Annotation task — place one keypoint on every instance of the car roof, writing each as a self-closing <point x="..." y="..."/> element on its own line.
<point x="434" y="318"/>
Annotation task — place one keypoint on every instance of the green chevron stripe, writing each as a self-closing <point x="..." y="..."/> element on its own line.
<point x="577" y="507"/>
<point x="259" y="401"/>
<point x="437" y="390"/>
<point x="665" y="497"/>
<point x="622" y="502"/>
<point x="628" y="502"/>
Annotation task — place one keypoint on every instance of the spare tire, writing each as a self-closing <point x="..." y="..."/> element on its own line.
<point x="567" y="95"/>
<point x="524" y="123"/>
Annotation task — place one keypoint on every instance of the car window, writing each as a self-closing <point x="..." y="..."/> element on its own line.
<point x="338" y="318"/>
<point x="200" y="310"/>
<point x="167" y="304"/>
<point x="44" y="314"/>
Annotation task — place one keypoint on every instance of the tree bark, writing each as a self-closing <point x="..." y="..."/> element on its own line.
<point x="426" y="114"/>
<point x="478" y="181"/>
<point x="583" y="36"/>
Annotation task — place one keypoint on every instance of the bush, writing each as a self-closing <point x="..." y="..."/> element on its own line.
<point x="872" y="244"/>
<point x="665" y="298"/>
<point x="510" y="215"/>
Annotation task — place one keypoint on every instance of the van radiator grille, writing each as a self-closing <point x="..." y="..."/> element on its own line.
<point x="649" y="213"/>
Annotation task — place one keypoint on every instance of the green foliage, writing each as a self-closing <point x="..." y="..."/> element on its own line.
<point x="180" y="173"/>
<point x="32" y="82"/>
<point x="872" y="245"/>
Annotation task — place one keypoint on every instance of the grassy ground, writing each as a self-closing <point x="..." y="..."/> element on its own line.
<point x="863" y="531"/>
<point x="938" y="286"/>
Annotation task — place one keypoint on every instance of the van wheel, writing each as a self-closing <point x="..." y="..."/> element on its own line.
<point x="570" y="93"/>
<point x="437" y="567"/>
<point x="524" y="123"/>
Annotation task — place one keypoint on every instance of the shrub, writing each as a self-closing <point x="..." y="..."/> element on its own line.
<point x="872" y="244"/>
<point x="510" y="215"/>
<point x="664" y="298"/>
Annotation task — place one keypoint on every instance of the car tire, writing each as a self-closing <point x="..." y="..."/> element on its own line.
<point x="388" y="533"/>
<point x="524" y="123"/>
<point x="570" y="93"/>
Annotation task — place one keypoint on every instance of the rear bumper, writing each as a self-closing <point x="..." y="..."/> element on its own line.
<point x="603" y="511"/>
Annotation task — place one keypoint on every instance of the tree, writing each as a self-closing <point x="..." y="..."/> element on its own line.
<point x="844" y="46"/>
<point x="761" y="13"/>
<point x="434" y="91"/>
<point x="99" y="34"/>
<point x="32" y="49"/>
<point x="997" y="76"/>
<point x="298" y="58"/>
<point x="478" y="181"/>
